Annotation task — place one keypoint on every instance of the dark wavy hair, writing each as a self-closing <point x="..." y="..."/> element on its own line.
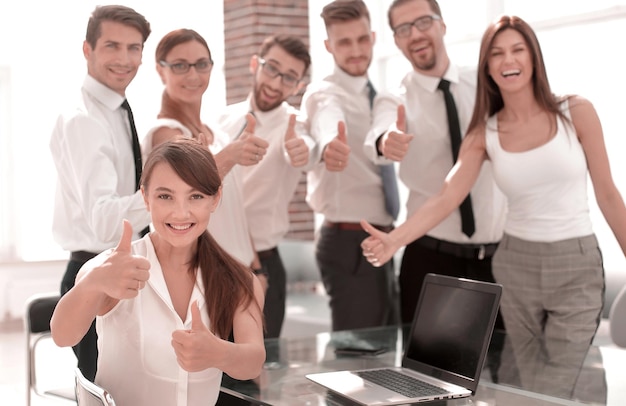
<point x="293" y="45"/>
<point x="227" y="283"/>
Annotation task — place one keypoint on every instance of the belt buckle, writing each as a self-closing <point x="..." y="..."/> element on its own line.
<point x="481" y="252"/>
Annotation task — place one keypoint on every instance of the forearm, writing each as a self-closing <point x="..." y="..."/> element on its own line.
<point x="74" y="314"/>
<point x="431" y="213"/>
<point x="225" y="160"/>
<point x="242" y="360"/>
<point x="614" y="212"/>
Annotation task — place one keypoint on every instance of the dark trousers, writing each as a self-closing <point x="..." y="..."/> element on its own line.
<point x="87" y="349"/>
<point x="360" y="295"/>
<point x="276" y="294"/>
<point x="417" y="261"/>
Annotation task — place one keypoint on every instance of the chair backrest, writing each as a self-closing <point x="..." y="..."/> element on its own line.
<point x="90" y="394"/>
<point x="39" y="309"/>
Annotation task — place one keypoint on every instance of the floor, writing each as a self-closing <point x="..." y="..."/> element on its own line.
<point x="307" y="314"/>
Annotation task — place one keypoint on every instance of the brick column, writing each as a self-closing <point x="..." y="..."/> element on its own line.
<point x="246" y="24"/>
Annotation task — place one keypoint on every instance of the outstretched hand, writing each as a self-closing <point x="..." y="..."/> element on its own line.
<point x="295" y="146"/>
<point x="395" y="143"/>
<point x="123" y="274"/>
<point x="379" y="247"/>
<point x="337" y="151"/>
<point x="196" y="349"/>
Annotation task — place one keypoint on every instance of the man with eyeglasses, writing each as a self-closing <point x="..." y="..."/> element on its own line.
<point x="345" y="186"/>
<point x="412" y="128"/>
<point x="92" y="148"/>
<point x="268" y="187"/>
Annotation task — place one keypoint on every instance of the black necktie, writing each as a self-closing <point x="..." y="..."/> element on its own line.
<point x="136" y="153"/>
<point x="387" y="172"/>
<point x="467" y="214"/>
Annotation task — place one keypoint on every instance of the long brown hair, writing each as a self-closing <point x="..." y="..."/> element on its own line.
<point x="227" y="283"/>
<point x="488" y="97"/>
<point x="169" y="108"/>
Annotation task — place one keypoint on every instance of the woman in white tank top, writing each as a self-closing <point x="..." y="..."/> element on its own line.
<point x="542" y="148"/>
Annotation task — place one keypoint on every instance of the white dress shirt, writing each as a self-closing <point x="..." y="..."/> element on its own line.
<point x="137" y="362"/>
<point x="356" y="192"/>
<point x="228" y="224"/>
<point x="429" y="158"/>
<point x="92" y="150"/>
<point x="268" y="186"/>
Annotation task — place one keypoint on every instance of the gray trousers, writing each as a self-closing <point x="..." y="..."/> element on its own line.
<point x="552" y="300"/>
<point x="552" y="289"/>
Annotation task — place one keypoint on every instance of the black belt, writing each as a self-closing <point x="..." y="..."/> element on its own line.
<point x="354" y="226"/>
<point x="265" y="254"/>
<point x="82" y="256"/>
<point x="467" y="251"/>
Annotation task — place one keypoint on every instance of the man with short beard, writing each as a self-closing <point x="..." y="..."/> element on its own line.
<point x="278" y="70"/>
<point x="345" y="186"/>
<point x="415" y="132"/>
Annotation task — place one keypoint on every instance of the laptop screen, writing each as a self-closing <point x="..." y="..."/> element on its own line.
<point x="452" y="330"/>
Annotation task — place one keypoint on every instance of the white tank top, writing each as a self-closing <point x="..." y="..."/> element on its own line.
<point x="546" y="187"/>
<point x="136" y="361"/>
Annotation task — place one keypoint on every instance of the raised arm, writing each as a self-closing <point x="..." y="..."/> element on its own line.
<point x="98" y="289"/>
<point x="198" y="348"/>
<point x="380" y="246"/>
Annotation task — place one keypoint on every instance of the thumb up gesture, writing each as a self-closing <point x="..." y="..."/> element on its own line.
<point x="295" y="146"/>
<point x="197" y="348"/>
<point x="395" y="143"/>
<point x="251" y="148"/>
<point x="337" y="151"/>
<point x="123" y="274"/>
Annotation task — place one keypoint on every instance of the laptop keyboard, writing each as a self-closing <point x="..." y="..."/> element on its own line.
<point x="401" y="383"/>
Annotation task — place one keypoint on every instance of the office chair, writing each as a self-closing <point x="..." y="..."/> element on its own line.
<point x="39" y="309"/>
<point x="90" y="394"/>
<point x="617" y="318"/>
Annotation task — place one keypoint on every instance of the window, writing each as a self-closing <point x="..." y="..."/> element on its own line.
<point x="7" y="225"/>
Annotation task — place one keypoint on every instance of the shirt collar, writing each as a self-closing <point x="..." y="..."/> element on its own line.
<point x="103" y="93"/>
<point x="268" y="116"/>
<point x="354" y="84"/>
<point x="430" y="83"/>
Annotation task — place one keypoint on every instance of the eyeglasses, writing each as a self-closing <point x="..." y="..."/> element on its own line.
<point x="422" y="24"/>
<point x="180" y="68"/>
<point x="272" y="71"/>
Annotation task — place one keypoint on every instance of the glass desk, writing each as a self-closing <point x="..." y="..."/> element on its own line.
<point x="516" y="372"/>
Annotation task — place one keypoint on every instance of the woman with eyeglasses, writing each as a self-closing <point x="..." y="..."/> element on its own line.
<point x="184" y="64"/>
<point x="542" y="149"/>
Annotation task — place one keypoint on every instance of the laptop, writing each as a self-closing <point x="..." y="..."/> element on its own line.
<point x="446" y="348"/>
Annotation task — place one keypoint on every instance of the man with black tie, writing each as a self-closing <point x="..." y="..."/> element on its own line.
<point x="96" y="153"/>
<point x="345" y="186"/>
<point x="421" y="128"/>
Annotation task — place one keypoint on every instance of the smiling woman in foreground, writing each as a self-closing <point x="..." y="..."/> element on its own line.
<point x="165" y="305"/>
